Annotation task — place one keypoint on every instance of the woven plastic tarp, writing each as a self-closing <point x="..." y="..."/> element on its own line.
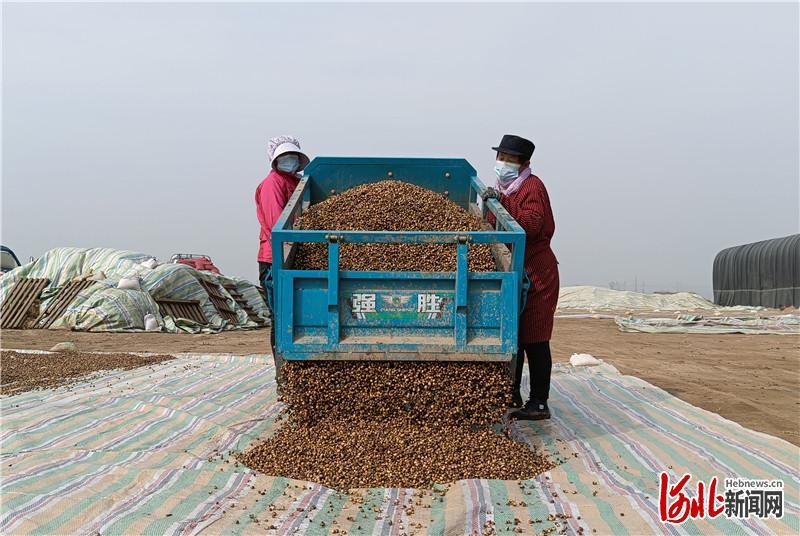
<point x="775" y="325"/>
<point x="136" y="452"/>
<point x="104" y="307"/>
<point x="605" y="299"/>
<point x="763" y="273"/>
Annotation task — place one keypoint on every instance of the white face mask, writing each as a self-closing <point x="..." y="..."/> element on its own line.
<point x="506" y="171"/>
<point x="288" y="163"/>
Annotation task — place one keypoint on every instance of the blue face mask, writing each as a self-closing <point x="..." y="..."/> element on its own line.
<point x="506" y="171"/>
<point x="288" y="163"/>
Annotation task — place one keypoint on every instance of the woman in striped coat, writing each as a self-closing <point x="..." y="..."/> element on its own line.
<point x="524" y="197"/>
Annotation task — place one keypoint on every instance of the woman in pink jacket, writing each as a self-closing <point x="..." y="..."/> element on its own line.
<point x="287" y="161"/>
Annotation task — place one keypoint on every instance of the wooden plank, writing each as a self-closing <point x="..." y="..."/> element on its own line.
<point x="219" y="301"/>
<point x="15" y="297"/>
<point x="212" y="289"/>
<point x="251" y="313"/>
<point x="187" y="309"/>
<point x="21" y="298"/>
<point x="241" y="301"/>
<point x="55" y="309"/>
<point x="25" y="310"/>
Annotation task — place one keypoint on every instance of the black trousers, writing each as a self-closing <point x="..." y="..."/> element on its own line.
<point x="263" y="270"/>
<point x="540" y="363"/>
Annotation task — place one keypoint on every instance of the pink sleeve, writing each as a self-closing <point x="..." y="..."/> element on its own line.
<point x="272" y="202"/>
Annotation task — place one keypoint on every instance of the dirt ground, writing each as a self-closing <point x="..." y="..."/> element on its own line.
<point x="751" y="379"/>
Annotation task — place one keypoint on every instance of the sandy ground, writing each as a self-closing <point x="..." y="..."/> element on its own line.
<point x="751" y="379"/>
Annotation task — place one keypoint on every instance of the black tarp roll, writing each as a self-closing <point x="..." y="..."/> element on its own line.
<point x="763" y="273"/>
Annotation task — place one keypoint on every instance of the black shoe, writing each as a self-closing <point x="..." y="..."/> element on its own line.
<point x="532" y="411"/>
<point x="516" y="400"/>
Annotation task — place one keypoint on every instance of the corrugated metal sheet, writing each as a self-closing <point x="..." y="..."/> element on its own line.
<point x="60" y="302"/>
<point x="188" y="309"/>
<point x="22" y="303"/>
<point x="763" y="273"/>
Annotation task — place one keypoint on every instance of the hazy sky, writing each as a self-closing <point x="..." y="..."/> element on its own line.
<point x="664" y="132"/>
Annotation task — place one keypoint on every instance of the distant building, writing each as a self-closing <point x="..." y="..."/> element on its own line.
<point x="763" y="273"/>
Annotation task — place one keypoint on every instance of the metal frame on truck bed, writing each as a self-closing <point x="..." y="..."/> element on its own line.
<point x="338" y="314"/>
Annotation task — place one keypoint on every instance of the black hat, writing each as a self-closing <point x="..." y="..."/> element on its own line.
<point x="516" y="146"/>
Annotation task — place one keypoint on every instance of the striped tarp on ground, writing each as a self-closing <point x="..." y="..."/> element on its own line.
<point x="137" y="452"/>
<point x="788" y="324"/>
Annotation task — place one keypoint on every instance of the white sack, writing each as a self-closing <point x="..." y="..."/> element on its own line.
<point x="129" y="283"/>
<point x="150" y="323"/>
<point x="583" y="360"/>
<point x="150" y="264"/>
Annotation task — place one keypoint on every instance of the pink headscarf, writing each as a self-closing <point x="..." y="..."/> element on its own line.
<point x="516" y="184"/>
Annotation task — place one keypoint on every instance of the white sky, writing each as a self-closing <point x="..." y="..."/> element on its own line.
<point x="664" y="132"/>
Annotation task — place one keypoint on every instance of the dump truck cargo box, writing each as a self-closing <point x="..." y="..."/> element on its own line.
<point x="337" y="314"/>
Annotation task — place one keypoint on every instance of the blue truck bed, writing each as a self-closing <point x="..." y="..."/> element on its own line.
<point x="336" y="314"/>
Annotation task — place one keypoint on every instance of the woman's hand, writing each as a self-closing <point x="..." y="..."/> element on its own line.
<point x="490" y="193"/>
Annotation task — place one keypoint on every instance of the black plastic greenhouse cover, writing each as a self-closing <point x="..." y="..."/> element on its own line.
<point x="763" y="273"/>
